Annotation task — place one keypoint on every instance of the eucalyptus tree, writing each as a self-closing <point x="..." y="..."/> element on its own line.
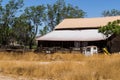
<point x="112" y="12"/>
<point x="20" y="30"/>
<point x="7" y="16"/>
<point x="43" y="31"/>
<point x="34" y="18"/>
<point x="59" y="10"/>
<point x="0" y="22"/>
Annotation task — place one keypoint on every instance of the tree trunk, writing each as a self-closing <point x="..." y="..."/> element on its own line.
<point x="30" y="45"/>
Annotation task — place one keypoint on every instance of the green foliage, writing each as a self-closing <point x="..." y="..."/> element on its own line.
<point x="111" y="28"/>
<point x="7" y="16"/>
<point x="44" y="31"/>
<point x="24" y="28"/>
<point x="21" y="30"/>
<point x="112" y="12"/>
<point x="58" y="11"/>
<point x="33" y="17"/>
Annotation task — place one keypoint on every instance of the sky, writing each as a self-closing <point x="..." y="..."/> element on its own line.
<point x="93" y="8"/>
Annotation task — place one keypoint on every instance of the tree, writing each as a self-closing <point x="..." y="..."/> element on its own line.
<point x="0" y="21"/>
<point x="111" y="28"/>
<point x="59" y="10"/>
<point x="34" y="16"/>
<point x="44" y="31"/>
<point x="7" y="16"/>
<point x="20" y="30"/>
<point x="112" y="12"/>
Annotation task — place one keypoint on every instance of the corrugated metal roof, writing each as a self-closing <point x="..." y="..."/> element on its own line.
<point x="85" y="22"/>
<point x="73" y="35"/>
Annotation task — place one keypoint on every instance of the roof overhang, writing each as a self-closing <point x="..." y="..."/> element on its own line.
<point x="73" y="35"/>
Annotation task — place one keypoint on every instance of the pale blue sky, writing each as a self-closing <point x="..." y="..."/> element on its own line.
<point x="93" y="8"/>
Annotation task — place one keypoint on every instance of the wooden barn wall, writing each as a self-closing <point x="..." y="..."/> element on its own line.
<point x="62" y="44"/>
<point x="113" y="43"/>
<point x="68" y="44"/>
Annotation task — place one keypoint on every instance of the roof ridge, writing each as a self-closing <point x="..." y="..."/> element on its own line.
<point x="92" y="17"/>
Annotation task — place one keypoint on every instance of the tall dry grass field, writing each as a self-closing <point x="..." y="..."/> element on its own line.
<point x="60" y="66"/>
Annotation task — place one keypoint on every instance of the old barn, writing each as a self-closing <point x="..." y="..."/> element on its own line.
<point x="75" y="34"/>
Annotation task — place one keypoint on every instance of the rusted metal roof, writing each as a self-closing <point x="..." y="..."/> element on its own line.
<point x="85" y="22"/>
<point x="73" y="35"/>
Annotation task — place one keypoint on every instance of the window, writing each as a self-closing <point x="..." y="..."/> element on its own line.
<point x="88" y="49"/>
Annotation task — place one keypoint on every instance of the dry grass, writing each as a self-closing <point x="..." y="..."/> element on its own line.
<point x="41" y="57"/>
<point x="61" y="66"/>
